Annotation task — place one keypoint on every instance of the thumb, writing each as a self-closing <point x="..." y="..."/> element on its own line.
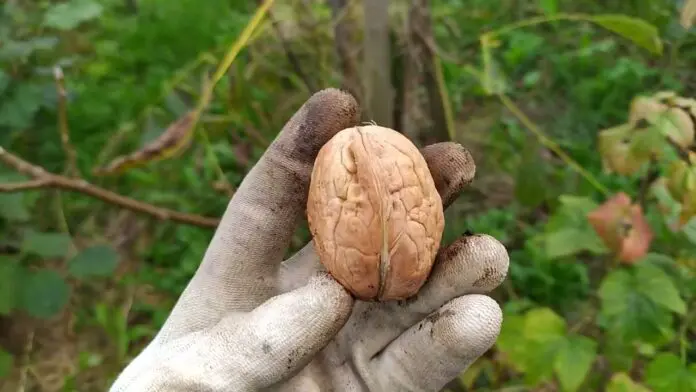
<point x="282" y="335"/>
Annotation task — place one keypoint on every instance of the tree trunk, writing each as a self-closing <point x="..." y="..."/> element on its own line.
<point x="423" y="114"/>
<point x="344" y="37"/>
<point x="378" y="92"/>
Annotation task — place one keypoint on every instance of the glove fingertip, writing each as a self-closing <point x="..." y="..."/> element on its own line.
<point x="333" y="293"/>
<point x="283" y="334"/>
<point x="475" y="325"/>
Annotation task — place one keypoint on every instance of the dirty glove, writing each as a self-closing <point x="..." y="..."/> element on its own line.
<point x="249" y="322"/>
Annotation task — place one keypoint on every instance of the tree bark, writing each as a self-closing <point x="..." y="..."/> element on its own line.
<point x="378" y="92"/>
<point x="423" y="114"/>
<point x="344" y="37"/>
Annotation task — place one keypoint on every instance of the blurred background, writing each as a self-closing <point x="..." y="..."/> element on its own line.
<point x="126" y="125"/>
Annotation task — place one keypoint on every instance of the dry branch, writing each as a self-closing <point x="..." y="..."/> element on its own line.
<point x="70" y="154"/>
<point x="43" y="179"/>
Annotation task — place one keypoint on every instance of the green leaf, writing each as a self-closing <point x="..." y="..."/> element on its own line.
<point x="572" y="214"/>
<point x="621" y="382"/>
<point x="537" y="345"/>
<point x="539" y="360"/>
<point x="619" y="352"/>
<point x="44" y="293"/>
<point x="12" y="207"/>
<point x="8" y="284"/>
<point x="646" y="142"/>
<point x="659" y="287"/>
<point x="46" y="244"/>
<point x="542" y="333"/>
<point x="67" y="16"/>
<point x="570" y="241"/>
<point x="19" y="109"/>
<point x="689" y="230"/>
<point x="627" y="312"/>
<point x="6" y="361"/>
<point x="666" y="373"/>
<point x="509" y="339"/>
<point x="578" y="204"/>
<point x="543" y="325"/>
<point x="550" y="7"/>
<point x="573" y="361"/>
<point x="637" y="30"/>
<point x="98" y="260"/>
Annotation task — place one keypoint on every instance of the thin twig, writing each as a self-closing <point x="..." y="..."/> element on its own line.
<point x="23" y="186"/>
<point x="550" y="144"/>
<point x="71" y="156"/>
<point x="26" y="360"/>
<point x="44" y="179"/>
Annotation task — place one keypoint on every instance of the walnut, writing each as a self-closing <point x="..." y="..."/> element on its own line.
<point x="374" y="213"/>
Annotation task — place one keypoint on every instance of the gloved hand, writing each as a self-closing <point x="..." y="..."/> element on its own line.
<point x="248" y="321"/>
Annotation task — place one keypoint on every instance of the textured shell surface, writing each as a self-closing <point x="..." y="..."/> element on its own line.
<point x="374" y="213"/>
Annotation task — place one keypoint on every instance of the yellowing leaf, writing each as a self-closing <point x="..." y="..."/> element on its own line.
<point x="681" y="179"/>
<point x="173" y="140"/>
<point x="646" y="108"/>
<point x="637" y="30"/>
<point x="621" y="382"/>
<point x="678" y="126"/>
<point x="688" y="208"/>
<point x="688" y="14"/>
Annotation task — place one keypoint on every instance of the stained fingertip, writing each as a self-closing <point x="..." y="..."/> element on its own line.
<point x="476" y="263"/>
<point x="473" y="264"/>
<point x="470" y="325"/>
<point x="323" y="115"/>
<point x="433" y="352"/>
<point x="452" y="168"/>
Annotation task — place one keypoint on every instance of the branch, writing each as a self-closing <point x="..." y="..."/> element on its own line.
<point x="71" y="155"/>
<point x="43" y="179"/>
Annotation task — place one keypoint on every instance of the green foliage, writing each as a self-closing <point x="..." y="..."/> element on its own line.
<point x="46" y="244"/>
<point x="98" y="260"/>
<point x="689" y="230"/>
<point x="637" y="303"/>
<point x="67" y="16"/>
<point x="43" y="293"/>
<point x="539" y="344"/>
<point x="667" y="372"/>
<point x="637" y="30"/>
<point x="568" y="232"/>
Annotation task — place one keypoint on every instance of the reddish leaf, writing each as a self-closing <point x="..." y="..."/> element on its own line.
<point x="623" y="228"/>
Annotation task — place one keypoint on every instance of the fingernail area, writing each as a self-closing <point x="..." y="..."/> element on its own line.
<point x="328" y="288"/>
<point x="324" y="279"/>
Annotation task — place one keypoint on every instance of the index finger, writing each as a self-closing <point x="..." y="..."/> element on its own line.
<point x="238" y="269"/>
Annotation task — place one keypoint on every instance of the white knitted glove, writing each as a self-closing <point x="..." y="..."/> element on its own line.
<point x="248" y="321"/>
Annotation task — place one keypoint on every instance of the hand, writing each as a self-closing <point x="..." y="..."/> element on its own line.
<point x="248" y="321"/>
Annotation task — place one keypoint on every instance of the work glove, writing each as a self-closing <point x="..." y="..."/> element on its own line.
<point x="247" y="321"/>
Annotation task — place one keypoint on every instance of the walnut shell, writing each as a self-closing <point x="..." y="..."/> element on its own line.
<point x="374" y="213"/>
